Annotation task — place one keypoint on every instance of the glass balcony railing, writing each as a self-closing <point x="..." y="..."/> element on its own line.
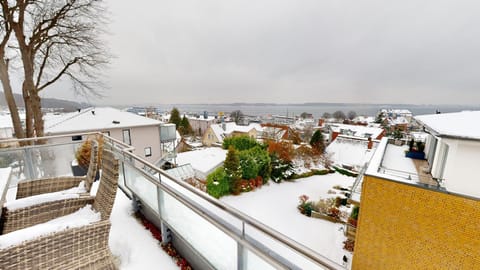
<point x="219" y="234"/>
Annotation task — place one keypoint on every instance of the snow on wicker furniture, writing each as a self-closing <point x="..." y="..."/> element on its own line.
<point x="68" y="247"/>
<point x="33" y="187"/>
<point x="19" y="218"/>
<point x="84" y="247"/>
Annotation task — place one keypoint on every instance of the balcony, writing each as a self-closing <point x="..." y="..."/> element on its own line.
<point x="389" y="162"/>
<point x="206" y="231"/>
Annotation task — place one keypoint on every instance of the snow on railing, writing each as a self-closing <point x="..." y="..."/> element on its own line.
<point x="132" y="165"/>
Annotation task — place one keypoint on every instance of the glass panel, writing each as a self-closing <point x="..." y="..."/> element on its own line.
<point x="252" y="261"/>
<point x="282" y="251"/>
<point x="214" y="245"/>
<point x="16" y="160"/>
<point x="138" y="184"/>
<point x="52" y="161"/>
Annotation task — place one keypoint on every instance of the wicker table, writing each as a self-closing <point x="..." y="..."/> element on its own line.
<point x="5" y="175"/>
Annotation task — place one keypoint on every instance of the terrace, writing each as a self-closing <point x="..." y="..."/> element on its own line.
<point x="389" y="162"/>
<point x="207" y="232"/>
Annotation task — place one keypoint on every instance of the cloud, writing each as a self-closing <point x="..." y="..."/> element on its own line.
<point x="190" y="51"/>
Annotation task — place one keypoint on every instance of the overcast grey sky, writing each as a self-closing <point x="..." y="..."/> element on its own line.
<point x="279" y="51"/>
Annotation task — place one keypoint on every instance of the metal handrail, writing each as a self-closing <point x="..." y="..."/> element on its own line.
<point x="301" y="249"/>
<point x="127" y="151"/>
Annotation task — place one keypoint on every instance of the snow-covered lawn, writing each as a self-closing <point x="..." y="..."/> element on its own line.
<point x="131" y="243"/>
<point x="276" y="206"/>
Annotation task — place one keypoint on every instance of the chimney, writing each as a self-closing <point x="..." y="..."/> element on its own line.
<point x="205" y="115"/>
<point x="370" y="143"/>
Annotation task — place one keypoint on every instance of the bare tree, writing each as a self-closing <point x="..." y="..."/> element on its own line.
<point x="56" y="39"/>
<point x="351" y="115"/>
<point x="339" y="115"/>
<point x="326" y="115"/>
<point x="5" y="32"/>
<point x="237" y="116"/>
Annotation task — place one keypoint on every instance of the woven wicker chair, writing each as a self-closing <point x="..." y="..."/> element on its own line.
<point x="27" y="188"/>
<point x="75" y="248"/>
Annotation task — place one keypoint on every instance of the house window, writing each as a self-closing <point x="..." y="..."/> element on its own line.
<point x="106" y="133"/>
<point x="126" y="136"/>
<point x="148" y="151"/>
<point x="77" y="138"/>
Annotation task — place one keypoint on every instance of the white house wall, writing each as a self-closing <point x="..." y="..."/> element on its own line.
<point x="142" y="137"/>
<point x="437" y="166"/>
<point x="462" y="167"/>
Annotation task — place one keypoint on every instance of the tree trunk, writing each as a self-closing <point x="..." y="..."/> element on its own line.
<point x="37" y="112"/>
<point x="12" y="106"/>
<point x="28" y="112"/>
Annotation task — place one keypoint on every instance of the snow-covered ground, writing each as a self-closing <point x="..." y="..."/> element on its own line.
<point x="276" y="206"/>
<point x="394" y="158"/>
<point x="131" y="243"/>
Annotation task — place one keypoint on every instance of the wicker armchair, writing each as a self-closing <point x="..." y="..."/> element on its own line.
<point x="27" y="188"/>
<point x="85" y="247"/>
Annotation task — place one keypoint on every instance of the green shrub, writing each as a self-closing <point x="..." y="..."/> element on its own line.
<point x="345" y="172"/>
<point x="240" y="143"/>
<point x="255" y="162"/>
<point x="305" y="206"/>
<point x="279" y="169"/>
<point x="248" y="165"/>
<point x="218" y="183"/>
<point x="355" y="211"/>
<point x="310" y="173"/>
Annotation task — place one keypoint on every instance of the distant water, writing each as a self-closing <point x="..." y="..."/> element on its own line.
<point x="316" y="109"/>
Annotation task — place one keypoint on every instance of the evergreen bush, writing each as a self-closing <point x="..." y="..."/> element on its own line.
<point x="218" y="184"/>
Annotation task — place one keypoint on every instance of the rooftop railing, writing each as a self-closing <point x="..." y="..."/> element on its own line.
<point x="220" y="235"/>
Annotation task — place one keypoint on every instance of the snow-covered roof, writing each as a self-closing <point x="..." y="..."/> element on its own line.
<point x="93" y="119"/>
<point x="400" y="120"/>
<point x="397" y="111"/>
<point x="302" y="123"/>
<point x="459" y="124"/>
<point x="364" y="119"/>
<point x="350" y="151"/>
<point x="275" y="133"/>
<point x="6" y="121"/>
<point x="183" y="172"/>
<point x="201" y="118"/>
<point x="357" y="131"/>
<point x="203" y="160"/>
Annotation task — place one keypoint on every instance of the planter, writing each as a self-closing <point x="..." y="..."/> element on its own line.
<point x="351" y="232"/>
<point x="415" y="155"/>
<point x="319" y="215"/>
<point x="78" y="170"/>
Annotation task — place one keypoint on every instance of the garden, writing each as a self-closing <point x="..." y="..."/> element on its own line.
<point x="250" y="164"/>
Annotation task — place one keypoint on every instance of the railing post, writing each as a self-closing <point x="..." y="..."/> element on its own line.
<point x="29" y="168"/>
<point x="241" y="251"/>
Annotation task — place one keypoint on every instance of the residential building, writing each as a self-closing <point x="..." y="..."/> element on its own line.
<point x="351" y="153"/>
<point x="417" y="220"/>
<point x="394" y="113"/>
<point x="200" y="124"/>
<point x="217" y="132"/>
<point x="452" y="149"/>
<point x="274" y="132"/>
<point x="138" y="131"/>
<point x="357" y="131"/>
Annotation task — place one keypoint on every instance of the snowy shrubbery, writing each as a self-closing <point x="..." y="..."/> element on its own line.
<point x="218" y="183"/>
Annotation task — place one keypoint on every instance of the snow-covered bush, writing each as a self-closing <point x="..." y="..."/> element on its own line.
<point x="218" y="183"/>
